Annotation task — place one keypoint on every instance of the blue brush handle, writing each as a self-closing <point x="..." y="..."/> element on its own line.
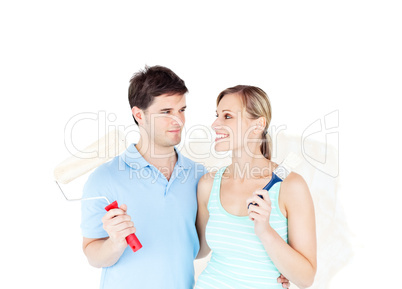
<point x="272" y="182"/>
<point x="275" y="179"/>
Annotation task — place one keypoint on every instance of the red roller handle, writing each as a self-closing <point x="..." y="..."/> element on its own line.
<point x="132" y="239"/>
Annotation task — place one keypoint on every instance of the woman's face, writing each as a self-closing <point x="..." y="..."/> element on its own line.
<point x="233" y="129"/>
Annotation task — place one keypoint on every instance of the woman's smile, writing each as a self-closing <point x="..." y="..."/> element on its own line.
<point x="220" y="136"/>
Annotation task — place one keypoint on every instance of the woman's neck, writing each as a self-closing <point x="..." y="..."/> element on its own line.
<point x="250" y="164"/>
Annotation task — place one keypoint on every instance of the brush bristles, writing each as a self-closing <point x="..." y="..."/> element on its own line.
<point x="281" y="172"/>
<point x="286" y="167"/>
<point x="292" y="161"/>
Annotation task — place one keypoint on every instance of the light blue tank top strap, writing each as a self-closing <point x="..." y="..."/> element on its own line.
<point x="214" y="196"/>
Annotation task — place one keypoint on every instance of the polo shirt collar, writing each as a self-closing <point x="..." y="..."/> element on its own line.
<point x="136" y="161"/>
<point x="182" y="162"/>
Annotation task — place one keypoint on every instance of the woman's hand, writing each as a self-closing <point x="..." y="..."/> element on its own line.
<point x="259" y="211"/>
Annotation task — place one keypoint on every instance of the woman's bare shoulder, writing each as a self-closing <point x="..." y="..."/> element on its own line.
<point x="204" y="186"/>
<point x="294" y="189"/>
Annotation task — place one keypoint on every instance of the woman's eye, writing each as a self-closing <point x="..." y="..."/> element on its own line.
<point x="166" y="112"/>
<point x="227" y="116"/>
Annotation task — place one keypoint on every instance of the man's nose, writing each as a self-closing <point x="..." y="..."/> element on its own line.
<point x="177" y="119"/>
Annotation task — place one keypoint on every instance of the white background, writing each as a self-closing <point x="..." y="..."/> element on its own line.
<point x="59" y="59"/>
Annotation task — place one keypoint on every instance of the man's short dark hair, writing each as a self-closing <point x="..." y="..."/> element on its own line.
<point x="152" y="82"/>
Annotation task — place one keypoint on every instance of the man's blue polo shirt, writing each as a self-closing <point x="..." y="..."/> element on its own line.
<point x="163" y="213"/>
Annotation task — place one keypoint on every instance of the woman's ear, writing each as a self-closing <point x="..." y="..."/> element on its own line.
<point x="260" y="125"/>
<point x="138" y="114"/>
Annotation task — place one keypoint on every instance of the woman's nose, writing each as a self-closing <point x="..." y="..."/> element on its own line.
<point x="216" y="123"/>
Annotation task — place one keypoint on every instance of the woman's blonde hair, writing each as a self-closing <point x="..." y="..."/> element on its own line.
<point x="256" y="103"/>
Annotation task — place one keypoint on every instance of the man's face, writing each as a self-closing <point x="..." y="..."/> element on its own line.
<point x="164" y="119"/>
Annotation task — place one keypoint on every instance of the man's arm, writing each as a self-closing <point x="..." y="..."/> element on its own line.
<point x="106" y="252"/>
<point x="203" y="191"/>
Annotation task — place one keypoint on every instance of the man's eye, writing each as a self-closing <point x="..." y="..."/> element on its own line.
<point x="183" y="110"/>
<point x="165" y="112"/>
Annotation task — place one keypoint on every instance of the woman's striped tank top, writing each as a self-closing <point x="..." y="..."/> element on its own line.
<point x="238" y="258"/>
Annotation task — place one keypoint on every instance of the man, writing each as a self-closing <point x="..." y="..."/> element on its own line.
<point x="156" y="187"/>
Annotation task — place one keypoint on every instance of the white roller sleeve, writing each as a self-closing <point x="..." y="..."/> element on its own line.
<point x="91" y="157"/>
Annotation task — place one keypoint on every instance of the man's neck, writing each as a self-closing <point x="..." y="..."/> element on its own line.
<point x="162" y="158"/>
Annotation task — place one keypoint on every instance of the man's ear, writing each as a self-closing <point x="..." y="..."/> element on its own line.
<point x="138" y="114"/>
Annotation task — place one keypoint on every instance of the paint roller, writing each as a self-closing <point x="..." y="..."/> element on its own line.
<point x="101" y="151"/>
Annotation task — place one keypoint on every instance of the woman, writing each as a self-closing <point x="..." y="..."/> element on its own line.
<point x="252" y="245"/>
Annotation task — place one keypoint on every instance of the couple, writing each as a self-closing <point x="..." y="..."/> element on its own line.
<point x="179" y="211"/>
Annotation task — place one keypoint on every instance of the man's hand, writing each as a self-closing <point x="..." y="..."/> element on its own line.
<point x="118" y="225"/>
<point x="285" y="282"/>
<point x="105" y="252"/>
